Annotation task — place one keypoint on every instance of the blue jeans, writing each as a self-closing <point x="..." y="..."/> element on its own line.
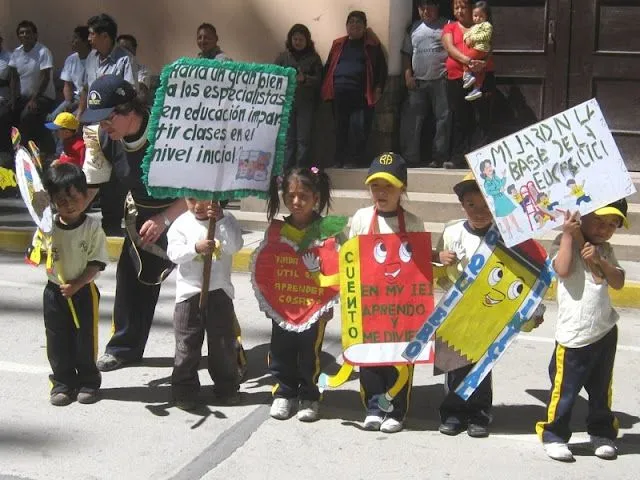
<point x="428" y="98"/>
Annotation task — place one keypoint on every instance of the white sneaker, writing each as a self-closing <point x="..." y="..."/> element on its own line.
<point x="391" y="425"/>
<point x="373" y="422"/>
<point x="604" y="447"/>
<point x="475" y="94"/>
<point x="558" y="451"/>
<point x="281" y="408"/>
<point x="468" y="81"/>
<point x="308" y="411"/>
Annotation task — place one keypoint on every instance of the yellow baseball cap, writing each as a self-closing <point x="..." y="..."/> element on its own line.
<point x="618" y="208"/>
<point x="64" y="120"/>
<point x="467" y="184"/>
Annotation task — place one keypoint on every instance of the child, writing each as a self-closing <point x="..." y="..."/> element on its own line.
<point x="520" y="199"/>
<point x="66" y="127"/>
<point x="578" y="191"/>
<point x="586" y="332"/>
<point x="478" y="39"/>
<point x="464" y="236"/>
<point x="301" y="55"/>
<point x="294" y="357"/>
<point x="387" y="180"/>
<point x="187" y="247"/>
<point x="77" y="253"/>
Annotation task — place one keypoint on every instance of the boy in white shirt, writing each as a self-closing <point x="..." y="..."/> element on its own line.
<point x="586" y="332"/>
<point x="187" y="247"/>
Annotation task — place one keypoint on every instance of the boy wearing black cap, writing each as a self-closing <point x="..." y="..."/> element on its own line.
<point x="387" y="180"/>
<point x="460" y="239"/>
<point x="586" y="332"/>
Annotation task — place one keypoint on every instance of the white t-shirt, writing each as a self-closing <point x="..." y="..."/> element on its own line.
<point x="73" y="71"/>
<point x="183" y="235"/>
<point x="29" y="64"/>
<point x="4" y="75"/>
<point x="361" y="222"/>
<point x="585" y="313"/>
<point x="76" y="246"/>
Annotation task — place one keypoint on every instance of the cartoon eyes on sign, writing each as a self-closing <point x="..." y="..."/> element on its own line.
<point x="496" y="295"/>
<point x="392" y="268"/>
<point x="502" y="288"/>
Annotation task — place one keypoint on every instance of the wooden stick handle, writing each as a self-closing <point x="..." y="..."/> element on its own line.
<point x="206" y="272"/>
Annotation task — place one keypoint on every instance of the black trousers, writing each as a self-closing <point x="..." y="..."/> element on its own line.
<point x="353" y="119"/>
<point x="376" y="381"/>
<point x="112" y="195"/>
<point x="294" y="361"/>
<point x="5" y="130"/>
<point x="299" y="134"/>
<point x="189" y="330"/>
<point x="135" y="302"/>
<point x="31" y="123"/>
<point x="471" y="121"/>
<point x="476" y="410"/>
<point x="571" y="369"/>
<point x="72" y="351"/>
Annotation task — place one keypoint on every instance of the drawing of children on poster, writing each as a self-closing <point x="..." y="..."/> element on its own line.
<point x="494" y="186"/>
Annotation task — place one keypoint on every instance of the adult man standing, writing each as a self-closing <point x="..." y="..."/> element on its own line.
<point x="423" y="59"/>
<point x="130" y="43"/>
<point x="107" y="58"/>
<point x="6" y="152"/>
<point x="32" y="92"/>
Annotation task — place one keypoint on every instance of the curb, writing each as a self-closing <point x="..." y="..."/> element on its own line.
<point x="18" y="240"/>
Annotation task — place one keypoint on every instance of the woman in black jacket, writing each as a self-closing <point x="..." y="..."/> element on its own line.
<point x="301" y="55"/>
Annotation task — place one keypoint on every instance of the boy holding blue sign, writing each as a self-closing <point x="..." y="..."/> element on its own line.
<point x="459" y="241"/>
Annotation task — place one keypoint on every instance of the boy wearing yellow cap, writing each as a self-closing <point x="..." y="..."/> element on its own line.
<point x="66" y="127"/>
<point x="460" y="239"/>
<point x="387" y="181"/>
<point x="586" y="332"/>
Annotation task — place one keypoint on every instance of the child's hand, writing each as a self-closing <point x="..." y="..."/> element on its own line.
<point x="311" y="261"/>
<point x="69" y="289"/>
<point x="447" y="257"/>
<point x="205" y="247"/>
<point x="590" y="254"/>
<point x="215" y="211"/>
<point x="571" y="224"/>
<point x="467" y="42"/>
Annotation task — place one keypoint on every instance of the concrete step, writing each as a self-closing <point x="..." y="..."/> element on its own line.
<point x="430" y="207"/>
<point x="425" y="180"/>
<point x="626" y="246"/>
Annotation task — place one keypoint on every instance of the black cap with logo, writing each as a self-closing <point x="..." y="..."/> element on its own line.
<point x="390" y="167"/>
<point x="106" y="93"/>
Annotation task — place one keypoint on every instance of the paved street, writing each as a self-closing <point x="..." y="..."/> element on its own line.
<point x="132" y="433"/>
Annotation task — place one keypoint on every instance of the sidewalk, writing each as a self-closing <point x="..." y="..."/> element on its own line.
<point x="16" y="231"/>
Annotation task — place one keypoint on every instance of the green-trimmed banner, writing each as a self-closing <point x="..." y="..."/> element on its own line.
<point x="218" y="129"/>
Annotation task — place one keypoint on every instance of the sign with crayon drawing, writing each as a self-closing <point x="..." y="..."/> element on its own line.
<point x="491" y="301"/>
<point x="566" y="162"/>
<point x="385" y="295"/>
<point x="218" y="129"/>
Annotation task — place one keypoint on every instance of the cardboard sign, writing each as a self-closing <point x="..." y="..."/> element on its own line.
<point x="481" y="314"/>
<point x="566" y="162"/>
<point x="218" y="129"/>
<point x="385" y="295"/>
<point x="287" y="292"/>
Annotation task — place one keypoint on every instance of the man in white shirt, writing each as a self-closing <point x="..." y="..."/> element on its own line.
<point x="32" y="92"/>
<point x="73" y="72"/>
<point x="5" y="110"/>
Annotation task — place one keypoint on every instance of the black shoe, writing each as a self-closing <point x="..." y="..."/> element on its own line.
<point x="186" y="404"/>
<point x="477" y="431"/>
<point x="108" y="362"/>
<point x="451" y="426"/>
<point x="88" y="396"/>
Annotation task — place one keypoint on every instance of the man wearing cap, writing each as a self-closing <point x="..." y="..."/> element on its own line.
<point x="119" y="145"/>
<point x="66" y="127"/>
<point x="423" y="58"/>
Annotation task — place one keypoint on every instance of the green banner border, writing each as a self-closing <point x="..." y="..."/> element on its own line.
<point x="156" y="112"/>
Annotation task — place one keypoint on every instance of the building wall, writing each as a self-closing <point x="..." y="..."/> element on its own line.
<point x="249" y="30"/>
